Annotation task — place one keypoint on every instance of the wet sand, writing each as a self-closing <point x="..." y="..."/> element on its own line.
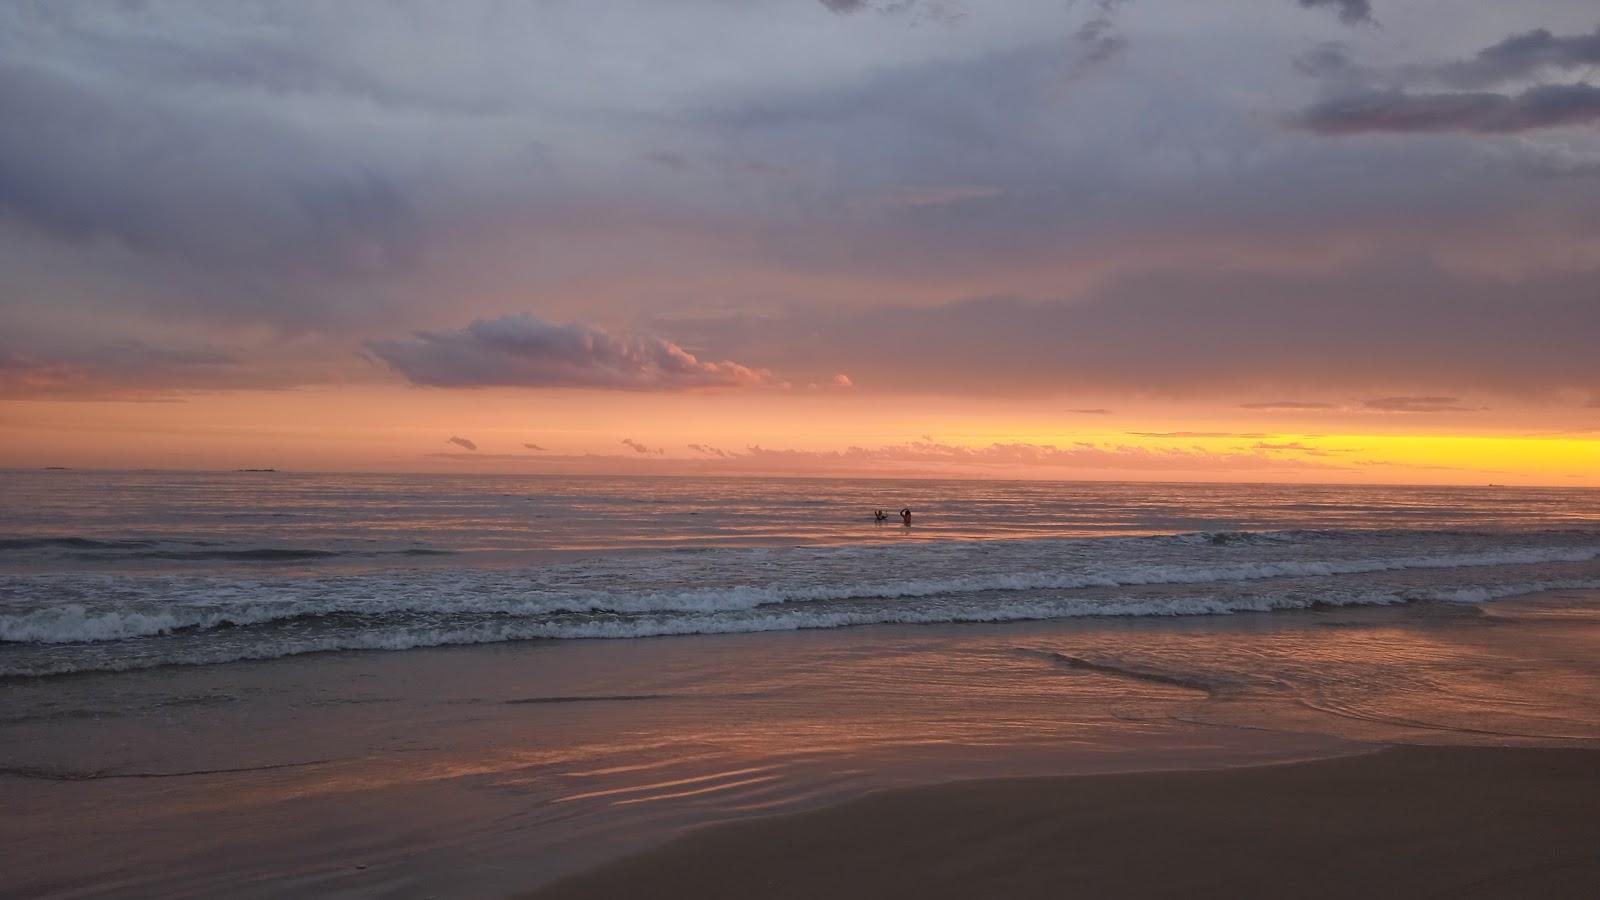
<point x="493" y="770"/>
<point x="1402" y="822"/>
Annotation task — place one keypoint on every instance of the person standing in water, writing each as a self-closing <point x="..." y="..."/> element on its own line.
<point x="905" y="516"/>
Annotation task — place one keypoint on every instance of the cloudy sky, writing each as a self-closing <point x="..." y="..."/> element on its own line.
<point x="1305" y="240"/>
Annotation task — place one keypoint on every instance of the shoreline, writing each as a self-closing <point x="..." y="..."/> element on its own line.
<point x="1404" y="820"/>
<point x="496" y="769"/>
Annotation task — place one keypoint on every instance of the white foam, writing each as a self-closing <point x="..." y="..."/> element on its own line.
<point x="165" y="604"/>
<point x="788" y="618"/>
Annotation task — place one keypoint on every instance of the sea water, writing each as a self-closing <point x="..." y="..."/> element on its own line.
<point x="117" y="571"/>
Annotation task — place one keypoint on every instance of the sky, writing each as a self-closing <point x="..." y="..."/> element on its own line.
<point x="1241" y="240"/>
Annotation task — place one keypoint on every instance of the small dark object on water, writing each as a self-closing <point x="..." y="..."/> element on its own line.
<point x="905" y="516"/>
<point x="879" y="515"/>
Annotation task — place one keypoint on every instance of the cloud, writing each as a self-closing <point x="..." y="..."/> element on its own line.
<point x="1196" y="434"/>
<point x="1298" y="447"/>
<point x="1419" y="405"/>
<point x="1351" y="12"/>
<point x="1520" y="56"/>
<point x="842" y="380"/>
<point x="1097" y="411"/>
<point x="1376" y="327"/>
<point x="462" y="442"/>
<point x="522" y="351"/>
<point x="1545" y="106"/>
<point x="937" y="195"/>
<point x="674" y="161"/>
<point x="641" y="448"/>
<point x="1096" y="41"/>
<point x="534" y="447"/>
<point x="1083" y="455"/>
<point x="1286" y="406"/>
<point x="708" y="450"/>
<point x="123" y="369"/>
<point x="1384" y="99"/>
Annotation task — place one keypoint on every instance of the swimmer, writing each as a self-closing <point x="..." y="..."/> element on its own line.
<point x="905" y="516"/>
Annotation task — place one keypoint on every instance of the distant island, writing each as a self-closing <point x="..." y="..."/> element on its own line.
<point x="255" y="470"/>
<point x="56" y="468"/>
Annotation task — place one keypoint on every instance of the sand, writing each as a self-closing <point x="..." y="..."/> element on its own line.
<point x="1403" y="822"/>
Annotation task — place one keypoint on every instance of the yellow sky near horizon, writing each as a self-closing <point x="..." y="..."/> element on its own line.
<point x="801" y="432"/>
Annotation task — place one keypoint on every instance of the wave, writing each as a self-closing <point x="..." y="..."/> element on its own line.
<point x="74" y="543"/>
<point x="378" y="596"/>
<point x="796" y="619"/>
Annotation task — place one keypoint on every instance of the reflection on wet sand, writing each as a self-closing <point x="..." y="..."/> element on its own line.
<point x="531" y="759"/>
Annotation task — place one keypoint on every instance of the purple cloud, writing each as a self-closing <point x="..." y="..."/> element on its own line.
<point x="522" y="351"/>
<point x="1419" y="405"/>
<point x="1545" y="106"/>
<point x="462" y="442"/>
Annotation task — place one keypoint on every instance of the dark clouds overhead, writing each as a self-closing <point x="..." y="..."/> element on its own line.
<point x="1546" y="106"/>
<point x="811" y="195"/>
<point x="1372" y="98"/>
<point x="1521" y="56"/>
<point x="522" y="351"/>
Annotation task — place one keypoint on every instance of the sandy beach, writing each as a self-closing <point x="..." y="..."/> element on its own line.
<point x="1401" y="822"/>
<point x="913" y="760"/>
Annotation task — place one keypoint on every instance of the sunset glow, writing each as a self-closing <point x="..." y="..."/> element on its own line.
<point x="1142" y="241"/>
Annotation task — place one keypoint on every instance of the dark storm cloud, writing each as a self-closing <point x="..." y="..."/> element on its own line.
<point x="1351" y="12"/>
<point x="462" y="442"/>
<point x="522" y="351"/>
<point x="1546" y="106"/>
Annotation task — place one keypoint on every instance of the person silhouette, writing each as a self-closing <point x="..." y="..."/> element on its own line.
<point x="905" y="516"/>
<point x="879" y="515"/>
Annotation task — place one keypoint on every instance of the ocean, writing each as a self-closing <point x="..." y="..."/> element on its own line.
<point x="117" y="571"/>
<point x="253" y="684"/>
